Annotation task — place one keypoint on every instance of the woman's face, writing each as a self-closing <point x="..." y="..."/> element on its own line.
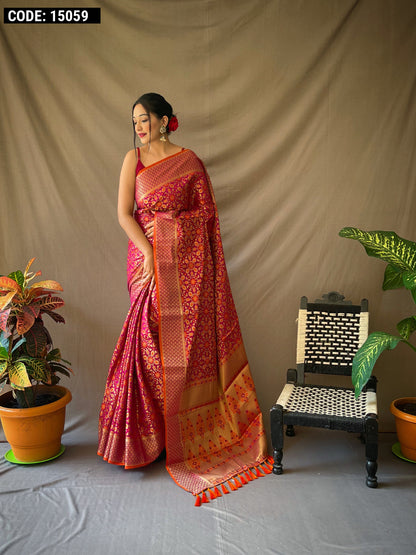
<point x="147" y="129"/>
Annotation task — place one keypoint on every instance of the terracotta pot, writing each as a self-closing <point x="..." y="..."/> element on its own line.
<point x="405" y="427"/>
<point x="35" y="433"/>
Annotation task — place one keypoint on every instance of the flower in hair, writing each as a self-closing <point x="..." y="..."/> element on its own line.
<point x="173" y="124"/>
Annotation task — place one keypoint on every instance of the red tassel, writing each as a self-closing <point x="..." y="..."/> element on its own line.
<point x="253" y="476"/>
<point x="267" y="470"/>
<point x="204" y="498"/>
<point x="237" y="482"/>
<point x="269" y="466"/>
<point x="217" y="492"/>
<point x="197" y="501"/>
<point x="243" y="480"/>
<point x="224" y="489"/>
<point x="271" y="460"/>
<point x="247" y="476"/>
<point x="259" y="474"/>
<point x="232" y="486"/>
<point x="212" y="494"/>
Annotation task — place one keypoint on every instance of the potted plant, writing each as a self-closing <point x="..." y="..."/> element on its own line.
<point x="30" y="366"/>
<point x="400" y="255"/>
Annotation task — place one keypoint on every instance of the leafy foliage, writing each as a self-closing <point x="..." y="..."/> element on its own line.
<point x="21" y="302"/>
<point x="400" y="256"/>
<point x="27" y="356"/>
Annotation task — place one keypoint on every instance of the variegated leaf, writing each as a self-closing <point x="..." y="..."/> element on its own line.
<point x="26" y="318"/>
<point x="48" y="284"/>
<point x="3" y="368"/>
<point x="393" y="278"/>
<point x="6" y="299"/>
<point x="409" y="280"/>
<point x="56" y="367"/>
<point x="4" y="317"/>
<point x="55" y="316"/>
<point x="37" y="339"/>
<point x="386" y="245"/>
<point x="7" y="284"/>
<point x="406" y="327"/>
<point x="367" y="356"/>
<point x="55" y="354"/>
<point x="18" y="277"/>
<point x="49" y="303"/>
<point x="37" y="369"/>
<point x="18" y="376"/>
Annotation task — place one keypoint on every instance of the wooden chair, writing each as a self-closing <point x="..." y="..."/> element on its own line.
<point x="330" y="331"/>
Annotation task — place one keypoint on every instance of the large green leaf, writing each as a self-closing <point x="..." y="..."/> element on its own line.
<point x="386" y="245"/>
<point x="18" y="277"/>
<point x="409" y="280"/>
<point x="393" y="278"/>
<point x="367" y="356"/>
<point x="406" y="327"/>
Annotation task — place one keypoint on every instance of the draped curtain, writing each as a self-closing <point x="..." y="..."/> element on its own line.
<point x="304" y="113"/>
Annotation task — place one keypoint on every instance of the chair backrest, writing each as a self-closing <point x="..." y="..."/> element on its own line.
<point x="330" y="331"/>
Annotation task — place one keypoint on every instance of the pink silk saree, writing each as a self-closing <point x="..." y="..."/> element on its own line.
<point x="179" y="376"/>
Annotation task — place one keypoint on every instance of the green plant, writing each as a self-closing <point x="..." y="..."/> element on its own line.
<point x="400" y="255"/>
<point x="27" y="356"/>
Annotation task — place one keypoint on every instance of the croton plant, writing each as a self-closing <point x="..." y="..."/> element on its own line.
<point x="27" y="356"/>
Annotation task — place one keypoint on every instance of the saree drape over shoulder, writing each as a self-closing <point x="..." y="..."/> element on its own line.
<point x="179" y="377"/>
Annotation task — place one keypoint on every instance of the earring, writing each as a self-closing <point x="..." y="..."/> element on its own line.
<point x="163" y="133"/>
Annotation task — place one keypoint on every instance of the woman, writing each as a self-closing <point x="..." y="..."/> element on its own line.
<point x="179" y="377"/>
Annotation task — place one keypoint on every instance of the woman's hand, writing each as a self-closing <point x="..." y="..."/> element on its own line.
<point x="149" y="267"/>
<point x="149" y="229"/>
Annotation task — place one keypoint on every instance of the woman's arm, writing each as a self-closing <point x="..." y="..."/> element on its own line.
<point x="125" y="213"/>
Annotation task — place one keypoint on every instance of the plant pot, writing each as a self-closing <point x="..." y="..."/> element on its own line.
<point x="35" y="433"/>
<point x="405" y="427"/>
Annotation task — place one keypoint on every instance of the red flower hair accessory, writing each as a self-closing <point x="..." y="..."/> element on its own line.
<point x="173" y="124"/>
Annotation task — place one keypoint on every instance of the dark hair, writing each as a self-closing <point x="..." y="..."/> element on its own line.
<point x="153" y="103"/>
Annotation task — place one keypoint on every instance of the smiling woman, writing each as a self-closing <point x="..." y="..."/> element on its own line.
<point x="179" y="378"/>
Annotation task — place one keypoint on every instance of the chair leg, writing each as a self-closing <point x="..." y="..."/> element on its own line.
<point x="371" y="449"/>
<point x="276" y="421"/>
<point x="290" y="430"/>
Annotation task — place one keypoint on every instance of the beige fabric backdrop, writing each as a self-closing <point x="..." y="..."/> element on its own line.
<point x="304" y="113"/>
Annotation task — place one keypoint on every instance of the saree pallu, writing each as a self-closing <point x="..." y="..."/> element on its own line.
<point x="179" y="376"/>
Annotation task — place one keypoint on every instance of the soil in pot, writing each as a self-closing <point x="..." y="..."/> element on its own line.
<point x="408" y="408"/>
<point x="40" y="400"/>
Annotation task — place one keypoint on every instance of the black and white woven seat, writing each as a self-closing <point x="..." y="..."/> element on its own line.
<point x="330" y="331"/>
